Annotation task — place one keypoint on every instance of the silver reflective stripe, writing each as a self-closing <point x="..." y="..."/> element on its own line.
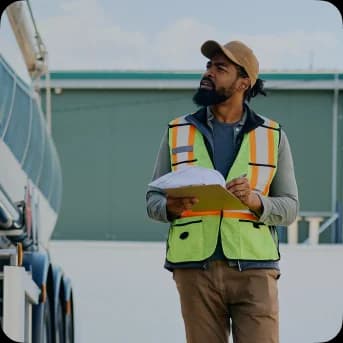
<point x="182" y="135"/>
<point x="262" y="154"/>
<point x="263" y="178"/>
<point x="261" y="145"/>
<point x="180" y="149"/>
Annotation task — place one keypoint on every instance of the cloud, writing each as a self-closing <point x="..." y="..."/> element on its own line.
<point x="90" y="40"/>
<point x="83" y="35"/>
<point x="296" y="50"/>
<point x="179" y="44"/>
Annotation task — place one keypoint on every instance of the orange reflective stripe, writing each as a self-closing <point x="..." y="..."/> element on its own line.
<point x="239" y="215"/>
<point x="254" y="169"/>
<point x="174" y="139"/>
<point x="191" y="139"/>
<point x="252" y="137"/>
<point x="226" y="214"/>
<point x="199" y="213"/>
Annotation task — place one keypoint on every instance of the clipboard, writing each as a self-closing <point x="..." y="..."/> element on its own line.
<point x="211" y="197"/>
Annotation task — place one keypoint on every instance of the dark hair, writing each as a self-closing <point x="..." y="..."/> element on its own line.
<point x="258" y="87"/>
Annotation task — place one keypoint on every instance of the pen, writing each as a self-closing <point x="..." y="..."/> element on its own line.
<point x="238" y="177"/>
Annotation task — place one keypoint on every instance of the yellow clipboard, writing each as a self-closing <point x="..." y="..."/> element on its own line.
<point x="211" y="197"/>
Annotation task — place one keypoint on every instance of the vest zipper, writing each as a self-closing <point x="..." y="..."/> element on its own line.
<point x="205" y="264"/>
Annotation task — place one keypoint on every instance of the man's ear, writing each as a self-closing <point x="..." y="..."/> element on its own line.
<point x="245" y="83"/>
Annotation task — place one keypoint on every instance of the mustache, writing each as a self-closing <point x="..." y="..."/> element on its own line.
<point x="207" y="79"/>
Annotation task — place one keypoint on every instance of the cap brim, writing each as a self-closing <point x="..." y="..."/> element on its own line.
<point x="211" y="47"/>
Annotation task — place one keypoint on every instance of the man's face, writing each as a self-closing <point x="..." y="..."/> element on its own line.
<point x="218" y="83"/>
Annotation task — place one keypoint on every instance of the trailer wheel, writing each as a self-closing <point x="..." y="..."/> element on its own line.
<point x="59" y="333"/>
<point x="69" y="323"/>
<point x="46" y="332"/>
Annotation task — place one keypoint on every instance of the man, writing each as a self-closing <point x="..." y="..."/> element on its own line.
<point x="225" y="263"/>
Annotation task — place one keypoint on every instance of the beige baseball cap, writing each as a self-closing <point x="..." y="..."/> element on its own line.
<point x="237" y="52"/>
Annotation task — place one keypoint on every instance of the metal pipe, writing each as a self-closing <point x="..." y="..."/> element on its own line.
<point x="32" y="47"/>
<point x="330" y="221"/>
<point x="48" y="98"/>
<point x="323" y="227"/>
<point x="9" y="214"/>
<point x="22" y="29"/>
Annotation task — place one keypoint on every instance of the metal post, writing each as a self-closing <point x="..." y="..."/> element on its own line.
<point x="292" y="232"/>
<point x="334" y="144"/>
<point x="19" y="292"/>
<point x="313" y="232"/>
<point x="334" y="152"/>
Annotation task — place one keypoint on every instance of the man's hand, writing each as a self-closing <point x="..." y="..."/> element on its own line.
<point x="241" y="189"/>
<point x="175" y="206"/>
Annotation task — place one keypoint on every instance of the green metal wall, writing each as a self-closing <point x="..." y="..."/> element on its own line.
<point x="108" y="139"/>
<point x="306" y="116"/>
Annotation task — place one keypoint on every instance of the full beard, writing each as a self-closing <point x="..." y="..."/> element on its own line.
<point x="208" y="97"/>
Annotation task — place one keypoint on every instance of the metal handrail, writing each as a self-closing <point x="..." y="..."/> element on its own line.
<point x="328" y="222"/>
<point x="324" y="226"/>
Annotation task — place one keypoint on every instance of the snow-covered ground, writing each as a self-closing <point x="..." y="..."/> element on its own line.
<point x="122" y="293"/>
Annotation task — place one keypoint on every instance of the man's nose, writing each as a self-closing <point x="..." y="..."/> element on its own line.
<point x="209" y="73"/>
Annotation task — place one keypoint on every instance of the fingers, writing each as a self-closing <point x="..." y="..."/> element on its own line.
<point x="240" y="188"/>
<point x="177" y="205"/>
<point x="238" y="184"/>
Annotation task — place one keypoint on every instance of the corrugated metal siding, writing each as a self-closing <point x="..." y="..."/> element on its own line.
<point x="108" y="140"/>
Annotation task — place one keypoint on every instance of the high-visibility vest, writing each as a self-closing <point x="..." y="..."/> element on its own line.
<point x="193" y="237"/>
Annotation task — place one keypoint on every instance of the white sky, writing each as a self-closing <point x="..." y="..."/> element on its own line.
<point x="156" y="34"/>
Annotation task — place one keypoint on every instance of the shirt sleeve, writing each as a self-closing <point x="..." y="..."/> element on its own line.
<point x="156" y="201"/>
<point x="282" y="205"/>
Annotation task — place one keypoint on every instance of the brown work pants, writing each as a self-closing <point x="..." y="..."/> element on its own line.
<point x="212" y="298"/>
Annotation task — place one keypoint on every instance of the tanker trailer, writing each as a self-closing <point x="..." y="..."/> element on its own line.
<point x="36" y="296"/>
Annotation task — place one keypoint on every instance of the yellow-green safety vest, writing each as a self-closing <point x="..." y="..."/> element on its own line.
<point x="193" y="237"/>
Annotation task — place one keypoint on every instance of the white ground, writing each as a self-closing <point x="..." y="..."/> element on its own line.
<point x="123" y="294"/>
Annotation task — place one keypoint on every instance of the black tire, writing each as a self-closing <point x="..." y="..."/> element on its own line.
<point x="69" y="324"/>
<point x="59" y="323"/>
<point x="46" y="331"/>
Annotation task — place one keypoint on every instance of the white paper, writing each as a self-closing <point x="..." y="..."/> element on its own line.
<point x="189" y="176"/>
